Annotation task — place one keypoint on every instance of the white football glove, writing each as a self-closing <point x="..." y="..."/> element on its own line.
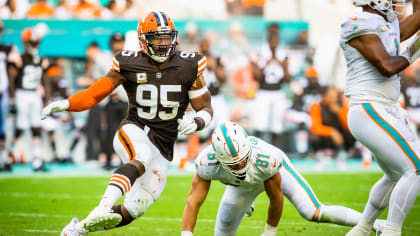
<point x="57" y="106"/>
<point x="187" y="126"/>
<point x="269" y="230"/>
<point x="413" y="51"/>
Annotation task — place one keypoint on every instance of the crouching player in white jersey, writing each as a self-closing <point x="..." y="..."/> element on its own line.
<point x="370" y="40"/>
<point x="248" y="166"/>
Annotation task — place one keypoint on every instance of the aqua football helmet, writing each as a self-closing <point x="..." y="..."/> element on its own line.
<point x="232" y="147"/>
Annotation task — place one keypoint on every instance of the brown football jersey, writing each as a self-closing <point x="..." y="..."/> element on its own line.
<point x="157" y="98"/>
<point x="30" y="74"/>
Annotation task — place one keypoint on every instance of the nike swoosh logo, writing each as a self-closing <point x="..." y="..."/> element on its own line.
<point x="201" y="163"/>
<point x="275" y="163"/>
<point x="354" y="18"/>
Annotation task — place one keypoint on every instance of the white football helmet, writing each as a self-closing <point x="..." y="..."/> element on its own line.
<point x="388" y="8"/>
<point x="232" y="147"/>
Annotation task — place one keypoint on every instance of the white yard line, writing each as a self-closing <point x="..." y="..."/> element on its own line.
<point x="40" y="231"/>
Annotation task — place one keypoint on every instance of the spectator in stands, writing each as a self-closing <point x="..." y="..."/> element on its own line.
<point x="298" y="116"/>
<point x="132" y="10"/>
<point x="56" y="88"/>
<point x="253" y="7"/>
<point x="312" y="91"/>
<point x="215" y="77"/>
<point x="86" y="10"/>
<point x="191" y="39"/>
<point x="271" y="101"/>
<point x="116" y="108"/>
<point x="63" y="10"/>
<point x="234" y="7"/>
<point x="301" y="41"/>
<point x="244" y="82"/>
<point x="93" y="129"/>
<point x="329" y="128"/>
<point x="9" y="54"/>
<point x="40" y="10"/>
<point x="234" y="49"/>
<point x="110" y="11"/>
<point x="10" y="10"/>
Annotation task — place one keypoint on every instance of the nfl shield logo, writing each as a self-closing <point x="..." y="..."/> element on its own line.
<point x="158" y="75"/>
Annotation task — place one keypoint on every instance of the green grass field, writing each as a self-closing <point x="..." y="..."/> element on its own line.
<point x="44" y="205"/>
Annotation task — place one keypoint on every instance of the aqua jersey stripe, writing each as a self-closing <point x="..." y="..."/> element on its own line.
<point x="228" y="141"/>
<point x="307" y="189"/>
<point x="391" y="131"/>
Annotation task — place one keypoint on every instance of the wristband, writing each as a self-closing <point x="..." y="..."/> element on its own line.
<point x="199" y="123"/>
<point x="205" y="116"/>
<point x="186" y="233"/>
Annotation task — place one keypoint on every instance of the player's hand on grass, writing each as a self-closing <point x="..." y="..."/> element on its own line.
<point x="57" y="106"/>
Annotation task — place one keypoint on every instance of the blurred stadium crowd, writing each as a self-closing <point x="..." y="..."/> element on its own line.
<point x="290" y="94"/>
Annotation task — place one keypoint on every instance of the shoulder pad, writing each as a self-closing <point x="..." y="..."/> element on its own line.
<point x="198" y="60"/>
<point x="122" y="58"/>
<point x="268" y="158"/>
<point x="357" y="25"/>
<point x="206" y="163"/>
<point x="271" y="163"/>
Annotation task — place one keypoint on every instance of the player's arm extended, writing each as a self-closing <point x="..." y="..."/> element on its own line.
<point x="200" y="100"/>
<point x="410" y="24"/>
<point x="372" y="48"/>
<point x="91" y="96"/>
<point x="275" y="194"/>
<point x="198" y="194"/>
<point x="87" y="98"/>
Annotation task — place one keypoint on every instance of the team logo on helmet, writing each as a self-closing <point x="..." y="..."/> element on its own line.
<point x="232" y="147"/>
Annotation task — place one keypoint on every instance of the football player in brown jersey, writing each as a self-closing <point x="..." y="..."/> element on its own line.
<point x="26" y="81"/>
<point x="160" y="83"/>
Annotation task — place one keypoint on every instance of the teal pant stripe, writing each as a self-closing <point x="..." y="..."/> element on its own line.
<point x="228" y="141"/>
<point x="391" y="131"/>
<point x="307" y="189"/>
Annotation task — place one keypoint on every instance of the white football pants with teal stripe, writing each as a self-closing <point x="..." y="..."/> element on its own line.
<point x="384" y="129"/>
<point x="304" y="199"/>
<point x="236" y="201"/>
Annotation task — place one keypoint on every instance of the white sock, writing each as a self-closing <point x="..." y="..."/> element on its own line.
<point x="111" y="196"/>
<point x="365" y="225"/>
<point x="402" y="199"/>
<point x="340" y="215"/>
<point x="390" y="230"/>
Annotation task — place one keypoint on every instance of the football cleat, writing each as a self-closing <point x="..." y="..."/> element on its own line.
<point x="100" y="219"/>
<point x="72" y="230"/>
<point x="359" y="230"/>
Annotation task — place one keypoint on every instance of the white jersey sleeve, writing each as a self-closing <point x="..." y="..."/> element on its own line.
<point x="357" y="25"/>
<point x="206" y="164"/>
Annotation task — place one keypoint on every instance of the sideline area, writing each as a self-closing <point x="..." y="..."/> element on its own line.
<point x="72" y="170"/>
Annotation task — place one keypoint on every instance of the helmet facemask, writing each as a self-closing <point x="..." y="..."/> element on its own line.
<point x="160" y="44"/>
<point x="239" y="167"/>
<point x="390" y="9"/>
